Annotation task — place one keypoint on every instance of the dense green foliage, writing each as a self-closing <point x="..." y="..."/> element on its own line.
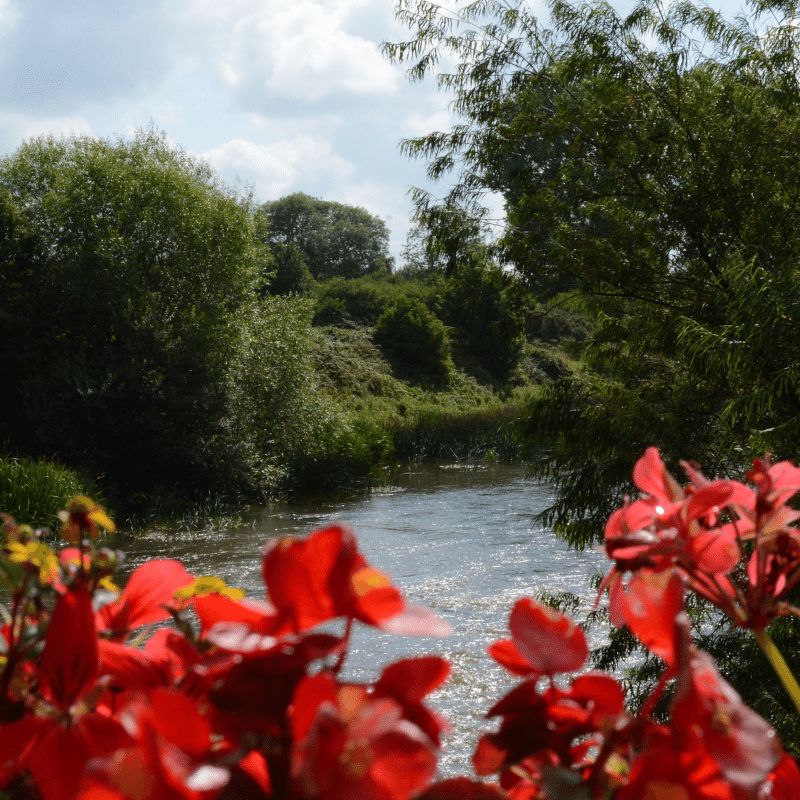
<point x="486" y="307"/>
<point x="34" y="491"/>
<point x="415" y="341"/>
<point x="648" y="165"/>
<point x="133" y="341"/>
<point x="291" y="274"/>
<point x="154" y="335"/>
<point x="335" y="240"/>
<point x="120" y="308"/>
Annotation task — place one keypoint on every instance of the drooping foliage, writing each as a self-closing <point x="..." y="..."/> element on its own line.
<point x="649" y="164"/>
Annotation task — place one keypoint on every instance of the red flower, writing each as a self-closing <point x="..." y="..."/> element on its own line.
<point x="170" y="759"/>
<point x="56" y="746"/>
<point x="149" y="592"/>
<point x="707" y="713"/>
<point x="349" y="746"/>
<point x="324" y="576"/>
<point x="544" y="641"/>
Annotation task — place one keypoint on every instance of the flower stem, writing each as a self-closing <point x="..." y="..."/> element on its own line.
<point x="780" y="666"/>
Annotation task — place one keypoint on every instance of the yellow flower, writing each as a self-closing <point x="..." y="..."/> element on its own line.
<point x="208" y="584"/>
<point x="37" y="556"/>
<point x="82" y="515"/>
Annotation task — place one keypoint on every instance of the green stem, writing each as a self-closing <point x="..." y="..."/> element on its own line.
<point x="780" y="666"/>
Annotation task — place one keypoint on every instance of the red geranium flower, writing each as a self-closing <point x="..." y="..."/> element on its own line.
<point x="66" y="732"/>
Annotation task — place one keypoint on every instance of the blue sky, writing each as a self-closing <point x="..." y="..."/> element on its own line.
<point x="280" y="96"/>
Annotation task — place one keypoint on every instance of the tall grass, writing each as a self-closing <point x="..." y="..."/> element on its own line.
<point x="465" y="435"/>
<point x="33" y="492"/>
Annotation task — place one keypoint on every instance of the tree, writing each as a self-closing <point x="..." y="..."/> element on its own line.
<point x="125" y="268"/>
<point x="291" y="274"/>
<point x="651" y="163"/>
<point x="336" y="240"/>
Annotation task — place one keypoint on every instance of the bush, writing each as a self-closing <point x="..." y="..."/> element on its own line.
<point x="415" y="341"/>
<point x="485" y="306"/>
<point x="361" y="301"/>
<point x="126" y="269"/>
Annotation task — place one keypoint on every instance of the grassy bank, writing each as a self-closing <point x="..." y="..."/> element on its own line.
<point x="384" y="419"/>
<point x="34" y="491"/>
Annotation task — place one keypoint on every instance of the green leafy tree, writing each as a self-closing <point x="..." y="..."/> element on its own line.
<point x="336" y="240"/>
<point x="650" y="164"/>
<point x="125" y="266"/>
<point x="486" y="307"/>
<point x="645" y="162"/>
<point x="290" y="272"/>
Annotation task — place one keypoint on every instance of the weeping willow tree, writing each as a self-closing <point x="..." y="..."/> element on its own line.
<point x="650" y="165"/>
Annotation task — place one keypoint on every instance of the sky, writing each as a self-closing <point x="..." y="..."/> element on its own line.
<point x="278" y="96"/>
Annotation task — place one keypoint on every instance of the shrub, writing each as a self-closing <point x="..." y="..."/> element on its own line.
<point x="415" y="341"/>
<point x="485" y="306"/>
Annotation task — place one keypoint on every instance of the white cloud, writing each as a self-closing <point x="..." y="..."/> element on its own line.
<point x="280" y="167"/>
<point x="9" y="16"/>
<point x="300" y="51"/>
<point x="420" y="124"/>
<point x="18" y="127"/>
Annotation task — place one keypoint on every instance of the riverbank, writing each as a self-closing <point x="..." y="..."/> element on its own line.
<point x="378" y="420"/>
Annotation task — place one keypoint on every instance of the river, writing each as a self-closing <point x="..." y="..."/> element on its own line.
<point x="460" y="541"/>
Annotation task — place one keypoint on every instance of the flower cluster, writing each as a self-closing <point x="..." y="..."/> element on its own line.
<point x="101" y="699"/>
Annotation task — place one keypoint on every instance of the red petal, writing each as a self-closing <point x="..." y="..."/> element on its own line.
<point x="710" y="499"/>
<point x="715" y="552"/>
<point x="743" y="745"/>
<point x="487" y="758"/>
<point x="652" y="601"/>
<point x="411" y="679"/>
<point x="598" y="692"/>
<point x="785" y="779"/>
<point x="261" y="617"/>
<point x="150" y="587"/>
<point x="308" y="697"/>
<point x="505" y="654"/>
<point x="131" y="668"/>
<point x="650" y="475"/>
<point x="548" y="640"/>
<point x="17" y="741"/>
<point x="403" y="762"/>
<point x="70" y="662"/>
<point x="60" y="759"/>
<point x="297" y="573"/>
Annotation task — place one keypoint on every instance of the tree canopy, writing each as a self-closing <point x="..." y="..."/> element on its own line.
<point x="651" y="164"/>
<point x="335" y="240"/>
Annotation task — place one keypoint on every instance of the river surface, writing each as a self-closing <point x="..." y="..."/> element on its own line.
<point x="460" y="541"/>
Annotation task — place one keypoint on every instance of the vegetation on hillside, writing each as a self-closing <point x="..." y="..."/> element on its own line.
<point x="168" y="334"/>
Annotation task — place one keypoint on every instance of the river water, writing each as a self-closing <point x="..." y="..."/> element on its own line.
<point x="460" y="541"/>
